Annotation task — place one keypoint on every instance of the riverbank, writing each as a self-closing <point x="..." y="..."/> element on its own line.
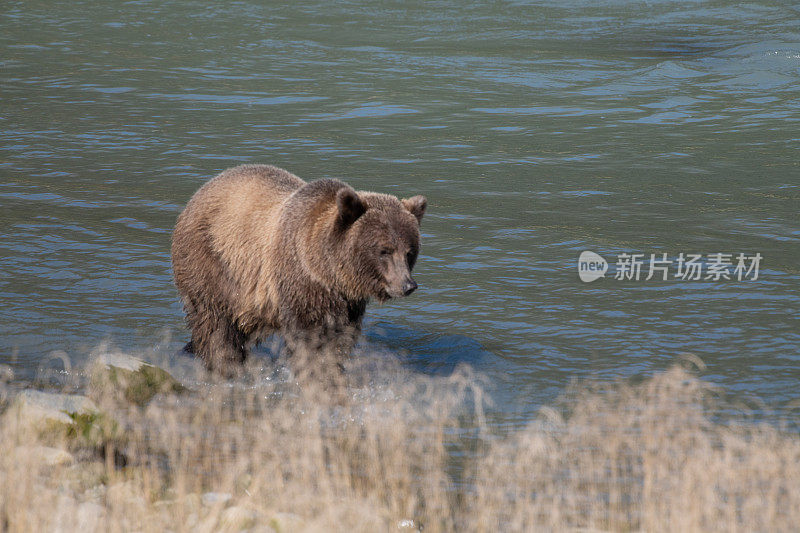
<point x="136" y="449"/>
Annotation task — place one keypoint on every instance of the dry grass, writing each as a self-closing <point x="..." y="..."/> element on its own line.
<point x="380" y="455"/>
<point x="646" y="457"/>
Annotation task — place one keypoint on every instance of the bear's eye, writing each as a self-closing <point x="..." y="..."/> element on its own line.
<point x="410" y="258"/>
<point x="386" y="251"/>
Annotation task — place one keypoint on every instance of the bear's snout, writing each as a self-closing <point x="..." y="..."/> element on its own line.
<point x="401" y="286"/>
<point x="409" y="286"/>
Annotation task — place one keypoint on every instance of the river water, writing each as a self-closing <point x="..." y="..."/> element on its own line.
<point x="536" y="131"/>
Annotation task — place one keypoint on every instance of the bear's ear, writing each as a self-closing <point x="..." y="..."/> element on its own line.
<point x="350" y="207"/>
<point x="416" y="206"/>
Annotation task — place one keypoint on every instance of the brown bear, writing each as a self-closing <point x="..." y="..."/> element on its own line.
<point x="258" y="250"/>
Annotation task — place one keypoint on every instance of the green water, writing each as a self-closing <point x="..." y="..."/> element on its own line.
<point x="536" y="131"/>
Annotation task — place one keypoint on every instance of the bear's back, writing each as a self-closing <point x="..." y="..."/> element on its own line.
<point x="257" y="187"/>
<point x="235" y="215"/>
<point x="248" y="200"/>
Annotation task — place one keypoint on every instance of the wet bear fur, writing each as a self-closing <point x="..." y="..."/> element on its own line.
<point x="257" y="250"/>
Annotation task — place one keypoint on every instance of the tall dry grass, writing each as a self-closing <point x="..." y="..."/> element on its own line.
<point x="390" y="450"/>
<point x="648" y="457"/>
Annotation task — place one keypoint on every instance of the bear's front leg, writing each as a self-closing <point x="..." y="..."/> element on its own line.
<point x="317" y="344"/>
<point x="217" y="341"/>
<point x="317" y="352"/>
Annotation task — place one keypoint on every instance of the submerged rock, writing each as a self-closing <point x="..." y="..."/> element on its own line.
<point x="63" y="419"/>
<point x="137" y="380"/>
<point x="38" y="407"/>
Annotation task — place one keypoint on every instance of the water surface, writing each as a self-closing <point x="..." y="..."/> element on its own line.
<point x="536" y="131"/>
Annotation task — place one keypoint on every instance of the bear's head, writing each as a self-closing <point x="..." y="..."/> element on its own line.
<point x="379" y="242"/>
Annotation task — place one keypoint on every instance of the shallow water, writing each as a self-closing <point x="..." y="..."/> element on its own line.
<point x="535" y="131"/>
